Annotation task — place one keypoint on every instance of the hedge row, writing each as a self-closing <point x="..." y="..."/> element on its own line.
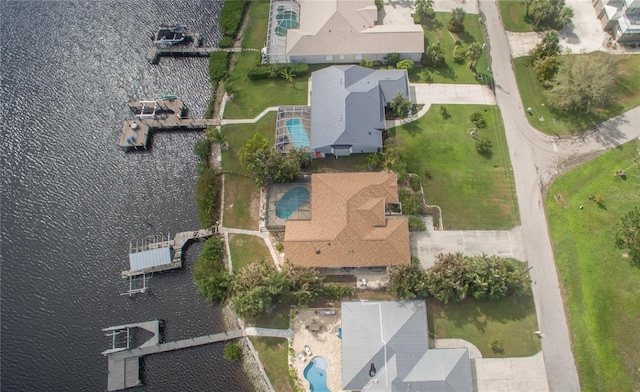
<point x="275" y="71"/>
<point x="231" y="16"/>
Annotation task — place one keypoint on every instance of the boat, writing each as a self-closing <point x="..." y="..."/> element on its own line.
<point x="170" y="34"/>
<point x="169" y="97"/>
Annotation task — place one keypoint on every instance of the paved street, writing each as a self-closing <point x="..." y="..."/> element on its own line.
<point x="556" y="346"/>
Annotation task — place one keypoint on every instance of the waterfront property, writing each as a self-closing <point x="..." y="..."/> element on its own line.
<point x="293" y="126"/>
<point x="385" y="347"/>
<point x="621" y="18"/>
<point x="342" y="31"/>
<point x="348" y="108"/>
<point x="287" y="202"/>
<point x="351" y="224"/>
<point x="316" y="374"/>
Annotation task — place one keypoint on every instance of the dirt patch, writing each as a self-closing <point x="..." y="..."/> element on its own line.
<point x="560" y="199"/>
<point x="254" y="207"/>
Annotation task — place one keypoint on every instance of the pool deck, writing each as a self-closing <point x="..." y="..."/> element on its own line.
<point x="323" y="343"/>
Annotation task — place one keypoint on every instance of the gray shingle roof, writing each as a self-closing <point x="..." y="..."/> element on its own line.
<point x="392" y="337"/>
<point x="347" y="104"/>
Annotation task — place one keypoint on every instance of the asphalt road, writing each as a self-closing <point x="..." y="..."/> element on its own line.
<point x="524" y="144"/>
<point x="536" y="159"/>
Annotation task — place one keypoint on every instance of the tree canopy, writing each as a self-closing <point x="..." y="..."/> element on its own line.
<point x="264" y="163"/>
<point x="400" y="105"/>
<point x="584" y="82"/>
<point x="456" y="23"/>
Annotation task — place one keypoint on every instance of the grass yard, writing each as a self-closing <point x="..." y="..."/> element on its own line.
<point x="241" y="202"/>
<point x="250" y="97"/>
<point x="627" y="96"/>
<point x="241" y="196"/>
<point x="245" y="249"/>
<point x="276" y="318"/>
<point x="274" y="356"/>
<point x="513" y="14"/>
<point x="474" y="191"/>
<point x="255" y="36"/>
<point x="453" y="72"/>
<point x="354" y="162"/>
<point x="601" y="289"/>
<point x="510" y="321"/>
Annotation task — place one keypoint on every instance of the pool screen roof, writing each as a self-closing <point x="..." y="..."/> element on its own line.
<point x="149" y="258"/>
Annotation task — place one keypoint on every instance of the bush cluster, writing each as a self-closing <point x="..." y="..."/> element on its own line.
<point x="210" y="274"/>
<point x="231" y="16"/>
<point x="411" y="202"/>
<point x="207" y="195"/>
<point x="455" y="277"/>
<point x="416" y="224"/>
<point x="225" y="42"/>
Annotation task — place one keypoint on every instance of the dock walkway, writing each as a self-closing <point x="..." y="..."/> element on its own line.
<point x="124" y="364"/>
<point x="154" y="53"/>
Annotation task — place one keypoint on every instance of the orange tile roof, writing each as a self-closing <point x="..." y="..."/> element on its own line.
<point x="348" y="226"/>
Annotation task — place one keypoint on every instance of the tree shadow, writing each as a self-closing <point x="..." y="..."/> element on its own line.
<point x="412" y="128"/>
<point x="446" y="71"/>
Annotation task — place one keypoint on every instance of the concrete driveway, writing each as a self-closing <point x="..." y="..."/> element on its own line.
<point x="525" y="374"/>
<point x="584" y="34"/>
<point x="469" y="6"/>
<point x="426" y="245"/>
<point x="439" y="93"/>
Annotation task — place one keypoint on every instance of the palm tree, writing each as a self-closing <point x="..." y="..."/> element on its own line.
<point x="456" y="23"/>
<point x="288" y="75"/>
<point x="564" y="18"/>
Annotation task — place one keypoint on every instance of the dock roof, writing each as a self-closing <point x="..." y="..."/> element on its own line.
<point x="149" y="258"/>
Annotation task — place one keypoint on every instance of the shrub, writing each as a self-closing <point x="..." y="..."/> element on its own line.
<point x="415" y="183"/>
<point x="460" y="54"/>
<point x="276" y="70"/>
<point x="232" y="352"/>
<point x="444" y="112"/>
<point x="425" y="76"/>
<point x="416" y="224"/>
<point x="279" y="246"/>
<point x="336" y="291"/>
<point x="231" y="16"/>
<point x="366" y="64"/>
<point x="483" y="145"/>
<point x="379" y="4"/>
<point x="404" y="64"/>
<point x="207" y="195"/>
<point x="407" y="281"/>
<point x="210" y="274"/>
<point x="393" y="58"/>
<point x="225" y="42"/>
<point x="456" y="23"/>
<point x="202" y="148"/>
<point x="400" y="105"/>
<point x="411" y="203"/>
<point x="477" y="119"/>
<point x="218" y="63"/>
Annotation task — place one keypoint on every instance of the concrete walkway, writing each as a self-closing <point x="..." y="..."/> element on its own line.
<point x="246" y="120"/>
<point x="437" y="93"/>
<point x="268" y="332"/>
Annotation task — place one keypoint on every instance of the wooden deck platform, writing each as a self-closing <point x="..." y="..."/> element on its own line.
<point x="154" y="53"/>
<point x="169" y="115"/>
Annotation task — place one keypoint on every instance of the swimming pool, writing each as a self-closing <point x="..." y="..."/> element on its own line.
<point x="286" y="20"/>
<point x="293" y="199"/>
<point x="297" y="133"/>
<point x="316" y="374"/>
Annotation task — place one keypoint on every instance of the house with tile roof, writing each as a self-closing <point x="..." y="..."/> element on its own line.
<point x="348" y="107"/>
<point x="337" y="31"/>
<point x="351" y="225"/>
<point x="385" y="347"/>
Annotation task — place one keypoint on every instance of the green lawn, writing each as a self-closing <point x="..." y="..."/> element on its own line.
<point x="241" y="193"/>
<point x="250" y="97"/>
<point x="241" y="202"/>
<point x="627" y="93"/>
<point x="474" y="191"/>
<point x="245" y="249"/>
<point x="255" y="36"/>
<point x="513" y="15"/>
<point x="354" y="162"/>
<point x="274" y="356"/>
<point x="510" y="321"/>
<point x="453" y="72"/>
<point x="601" y="289"/>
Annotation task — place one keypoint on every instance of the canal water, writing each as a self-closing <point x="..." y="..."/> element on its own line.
<point x="72" y="201"/>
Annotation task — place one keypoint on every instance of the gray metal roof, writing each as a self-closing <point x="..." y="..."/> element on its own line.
<point x="149" y="258"/>
<point x="393" y="337"/>
<point x="347" y="104"/>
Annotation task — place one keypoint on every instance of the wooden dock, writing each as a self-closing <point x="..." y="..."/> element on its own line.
<point x="124" y="362"/>
<point x="178" y="244"/>
<point x="153" y="116"/>
<point x="154" y="53"/>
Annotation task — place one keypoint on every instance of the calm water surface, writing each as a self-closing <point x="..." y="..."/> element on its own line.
<point x="71" y="200"/>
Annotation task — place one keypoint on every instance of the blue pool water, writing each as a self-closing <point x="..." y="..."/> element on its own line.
<point x="297" y="132"/>
<point x="316" y="374"/>
<point x="291" y="201"/>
